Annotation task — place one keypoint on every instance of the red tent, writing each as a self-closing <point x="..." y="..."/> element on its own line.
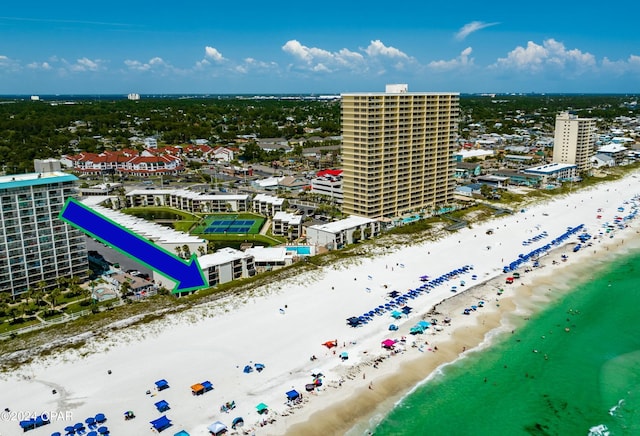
<point x="388" y="343"/>
<point x="331" y="344"/>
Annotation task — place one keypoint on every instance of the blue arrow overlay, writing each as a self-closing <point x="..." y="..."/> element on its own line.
<point x="187" y="274"/>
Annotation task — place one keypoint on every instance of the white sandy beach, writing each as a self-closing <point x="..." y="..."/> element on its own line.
<point x="282" y="325"/>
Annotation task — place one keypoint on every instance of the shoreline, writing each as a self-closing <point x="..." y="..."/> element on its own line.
<point x="492" y="326"/>
<point x="114" y="372"/>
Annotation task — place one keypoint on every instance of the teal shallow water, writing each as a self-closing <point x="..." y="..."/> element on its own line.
<point x="543" y="379"/>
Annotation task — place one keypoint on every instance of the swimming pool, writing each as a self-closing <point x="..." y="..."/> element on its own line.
<point x="302" y="250"/>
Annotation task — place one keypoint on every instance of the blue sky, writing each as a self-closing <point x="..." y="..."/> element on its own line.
<point x="327" y="47"/>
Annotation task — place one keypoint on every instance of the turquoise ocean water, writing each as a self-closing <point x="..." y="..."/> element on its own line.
<point x="543" y="379"/>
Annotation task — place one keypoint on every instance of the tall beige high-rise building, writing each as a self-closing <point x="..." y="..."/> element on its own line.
<point x="398" y="151"/>
<point x="574" y="141"/>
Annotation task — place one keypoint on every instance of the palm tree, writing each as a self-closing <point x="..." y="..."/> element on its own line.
<point x="201" y="250"/>
<point x="186" y="251"/>
<point x="178" y="250"/>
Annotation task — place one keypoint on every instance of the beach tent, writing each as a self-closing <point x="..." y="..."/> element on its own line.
<point x="344" y="355"/>
<point x="247" y="369"/>
<point x="33" y="423"/>
<point x="331" y="344"/>
<point x="393" y="327"/>
<point x="354" y="321"/>
<point x="162" y="384"/>
<point x="292" y="395"/>
<point x="262" y="408"/>
<point x="181" y="433"/>
<point x="201" y="388"/>
<point x="259" y="367"/>
<point x="424" y="324"/>
<point x="388" y="343"/>
<point x="217" y="428"/>
<point x="396" y="314"/>
<point x="161" y="423"/>
<point x="162" y="406"/>
<point x="237" y="422"/>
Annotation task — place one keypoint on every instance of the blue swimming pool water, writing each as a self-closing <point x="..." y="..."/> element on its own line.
<point x="301" y="250"/>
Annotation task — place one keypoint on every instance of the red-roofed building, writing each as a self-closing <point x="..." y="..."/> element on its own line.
<point x="328" y="182"/>
<point x="329" y="172"/>
<point x="125" y="161"/>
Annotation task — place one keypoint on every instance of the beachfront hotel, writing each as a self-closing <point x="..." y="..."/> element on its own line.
<point x="574" y="141"/>
<point x="35" y="245"/>
<point x="398" y="151"/>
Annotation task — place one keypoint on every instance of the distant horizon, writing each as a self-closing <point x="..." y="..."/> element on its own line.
<point x="251" y="47"/>
<point x="318" y="95"/>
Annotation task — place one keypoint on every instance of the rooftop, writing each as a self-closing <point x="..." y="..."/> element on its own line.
<point x="33" y="179"/>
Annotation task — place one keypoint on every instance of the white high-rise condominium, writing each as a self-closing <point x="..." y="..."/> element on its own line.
<point x="574" y="141"/>
<point x="398" y="151"/>
<point x="35" y="245"/>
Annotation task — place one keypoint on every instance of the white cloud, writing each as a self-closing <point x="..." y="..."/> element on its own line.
<point x="632" y="64"/>
<point x="250" y="65"/>
<point x="461" y="61"/>
<point x="471" y="27"/>
<point x="86" y="64"/>
<point x="551" y="53"/>
<point x="213" y="53"/>
<point x="8" y="64"/>
<point x="377" y="48"/>
<point x="39" y="66"/>
<point x="154" y="63"/>
<point x="321" y="60"/>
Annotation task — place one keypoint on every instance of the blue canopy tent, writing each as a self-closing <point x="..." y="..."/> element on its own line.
<point x="33" y="423"/>
<point x="292" y="395"/>
<point x="162" y="384"/>
<point x="393" y="327"/>
<point x="424" y="324"/>
<point x="217" y="428"/>
<point x="181" y="433"/>
<point x="161" y="423"/>
<point x="396" y="314"/>
<point x="207" y="385"/>
<point x="354" y="321"/>
<point x="259" y="367"/>
<point x="162" y="406"/>
<point x="237" y="422"/>
<point x="247" y="369"/>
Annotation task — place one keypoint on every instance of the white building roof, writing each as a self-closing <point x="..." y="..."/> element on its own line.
<point x="288" y="217"/>
<point x="268" y="254"/>
<point x="149" y="230"/>
<point x="184" y="193"/>
<point x="549" y="168"/>
<point x="270" y="181"/>
<point x="221" y="257"/>
<point x="474" y="153"/>
<point x="612" y="147"/>
<point x="345" y="224"/>
<point x="269" y="199"/>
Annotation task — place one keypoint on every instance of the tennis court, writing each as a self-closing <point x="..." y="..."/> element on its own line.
<point x="230" y="224"/>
